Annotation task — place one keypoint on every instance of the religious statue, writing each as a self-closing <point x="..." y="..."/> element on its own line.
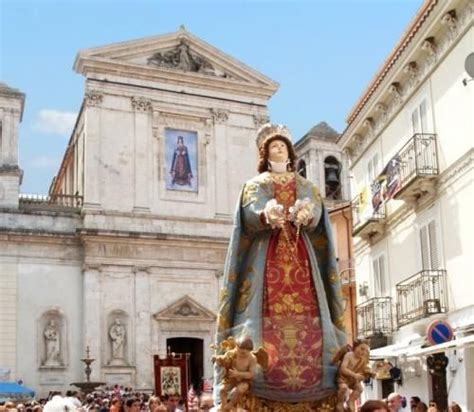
<point x="354" y="368"/>
<point x="117" y="335"/>
<point x="281" y="284"/>
<point x="181" y="172"/>
<point x="240" y="364"/>
<point x="52" y="344"/>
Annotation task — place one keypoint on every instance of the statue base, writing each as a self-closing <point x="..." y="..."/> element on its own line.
<point x="254" y="404"/>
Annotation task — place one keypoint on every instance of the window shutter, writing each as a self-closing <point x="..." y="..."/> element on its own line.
<point x="415" y="122"/>
<point x="433" y="244"/>
<point x="423" y="117"/>
<point x="375" y="265"/>
<point x="424" y="242"/>
<point x="383" y="279"/>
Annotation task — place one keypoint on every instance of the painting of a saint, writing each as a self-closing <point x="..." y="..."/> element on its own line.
<point x="170" y="380"/>
<point x="181" y="160"/>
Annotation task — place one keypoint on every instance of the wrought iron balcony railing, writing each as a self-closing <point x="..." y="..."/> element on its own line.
<point x="421" y="295"/>
<point x="418" y="162"/>
<point x="365" y="220"/>
<point x="374" y="317"/>
<point x="54" y="202"/>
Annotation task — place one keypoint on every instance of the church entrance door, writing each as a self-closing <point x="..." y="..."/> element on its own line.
<point x="195" y="348"/>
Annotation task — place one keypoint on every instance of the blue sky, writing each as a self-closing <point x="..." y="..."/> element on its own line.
<point x="322" y="52"/>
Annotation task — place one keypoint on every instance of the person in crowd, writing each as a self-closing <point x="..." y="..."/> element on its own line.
<point x="132" y="405"/>
<point x="421" y="407"/>
<point x="171" y="401"/>
<point x="394" y="402"/>
<point x="115" y="404"/>
<point x="454" y="407"/>
<point x="432" y="407"/>
<point x="414" y="400"/>
<point x="374" y="406"/>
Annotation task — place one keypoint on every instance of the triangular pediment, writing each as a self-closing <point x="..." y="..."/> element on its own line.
<point x="185" y="309"/>
<point x="165" y="57"/>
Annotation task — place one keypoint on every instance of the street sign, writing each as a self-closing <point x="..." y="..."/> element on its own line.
<point x="439" y="331"/>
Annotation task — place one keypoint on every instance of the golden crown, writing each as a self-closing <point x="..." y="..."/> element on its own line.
<point x="268" y="130"/>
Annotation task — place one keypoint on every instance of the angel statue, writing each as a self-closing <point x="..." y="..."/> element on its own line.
<point x="239" y="362"/>
<point x="353" y="369"/>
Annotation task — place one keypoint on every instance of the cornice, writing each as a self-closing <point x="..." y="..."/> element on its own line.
<point x="408" y="75"/>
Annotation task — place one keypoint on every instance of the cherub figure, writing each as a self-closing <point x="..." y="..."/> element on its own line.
<point x="240" y="364"/>
<point x="354" y="368"/>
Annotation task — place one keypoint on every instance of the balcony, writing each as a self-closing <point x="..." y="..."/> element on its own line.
<point x="367" y="222"/>
<point x="54" y="202"/>
<point x="421" y="295"/>
<point x="374" y="320"/>
<point x="418" y="163"/>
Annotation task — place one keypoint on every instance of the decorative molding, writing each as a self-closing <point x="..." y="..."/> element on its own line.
<point x="185" y="309"/>
<point x="144" y="269"/>
<point x="219" y="115"/>
<point x="456" y="171"/>
<point x="140" y="104"/>
<point x="395" y="90"/>
<point x="260" y="120"/>
<point x="93" y="98"/>
<point x="91" y="267"/>
<point x="181" y="58"/>
<point x="413" y="73"/>
<point x="451" y="22"/>
<point x="436" y="50"/>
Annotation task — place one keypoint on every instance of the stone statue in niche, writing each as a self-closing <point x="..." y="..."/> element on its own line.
<point x="52" y="337"/>
<point x="117" y="335"/>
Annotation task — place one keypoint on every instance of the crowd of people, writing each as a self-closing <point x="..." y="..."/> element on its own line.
<point x="397" y="403"/>
<point x="120" y="399"/>
<point x="115" y="399"/>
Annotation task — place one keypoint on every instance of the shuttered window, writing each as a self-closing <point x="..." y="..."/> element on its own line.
<point x="419" y="118"/>
<point x="380" y="277"/>
<point x="372" y="169"/>
<point x="430" y="252"/>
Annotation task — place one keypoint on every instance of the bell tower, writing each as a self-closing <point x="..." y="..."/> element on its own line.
<point x="321" y="161"/>
<point x="11" y="111"/>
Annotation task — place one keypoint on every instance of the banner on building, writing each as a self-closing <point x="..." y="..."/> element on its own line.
<point x="387" y="184"/>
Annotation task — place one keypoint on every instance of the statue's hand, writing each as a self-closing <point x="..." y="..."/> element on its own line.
<point x="359" y="377"/>
<point x="233" y="373"/>
<point x="274" y="214"/>
<point x="302" y="212"/>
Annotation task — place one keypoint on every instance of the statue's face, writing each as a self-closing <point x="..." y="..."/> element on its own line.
<point x="362" y="351"/>
<point x="278" y="151"/>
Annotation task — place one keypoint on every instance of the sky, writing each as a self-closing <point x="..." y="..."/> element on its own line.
<point x="323" y="53"/>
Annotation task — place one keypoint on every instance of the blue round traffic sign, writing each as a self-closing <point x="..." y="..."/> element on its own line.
<point x="439" y="331"/>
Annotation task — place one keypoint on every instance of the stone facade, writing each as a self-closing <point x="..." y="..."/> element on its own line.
<point x="116" y="241"/>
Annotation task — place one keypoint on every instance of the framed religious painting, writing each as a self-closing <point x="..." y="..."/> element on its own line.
<point x="172" y="375"/>
<point x="181" y="160"/>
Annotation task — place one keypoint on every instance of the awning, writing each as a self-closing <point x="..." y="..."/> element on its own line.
<point x="13" y="390"/>
<point x="465" y="341"/>
<point x="409" y="350"/>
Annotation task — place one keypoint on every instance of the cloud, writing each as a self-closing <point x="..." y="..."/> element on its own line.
<point x="44" y="162"/>
<point x="54" y="122"/>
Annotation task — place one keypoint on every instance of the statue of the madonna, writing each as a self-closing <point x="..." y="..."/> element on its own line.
<point x="281" y="285"/>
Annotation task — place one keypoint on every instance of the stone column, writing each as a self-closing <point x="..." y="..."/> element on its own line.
<point x="142" y="108"/>
<point x="221" y="161"/>
<point x="92" y="314"/>
<point x="92" y="126"/>
<point x="144" y="359"/>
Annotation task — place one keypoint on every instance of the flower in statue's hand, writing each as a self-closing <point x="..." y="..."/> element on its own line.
<point x="302" y="212"/>
<point x="274" y="214"/>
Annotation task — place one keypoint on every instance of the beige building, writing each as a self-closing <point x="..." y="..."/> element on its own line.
<point x="125" y="254"/>
<point x="410" y="141"/>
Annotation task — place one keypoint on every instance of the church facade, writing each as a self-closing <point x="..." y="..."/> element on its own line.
<point x="125" y="254"/>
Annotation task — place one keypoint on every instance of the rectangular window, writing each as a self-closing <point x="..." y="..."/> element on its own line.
<point x="419" y="118"/>
<point x="381" y="287"/>
<point x="430" y="256"/>
<point x="373" y="169"/>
